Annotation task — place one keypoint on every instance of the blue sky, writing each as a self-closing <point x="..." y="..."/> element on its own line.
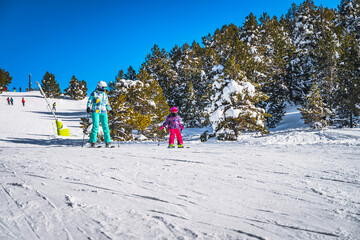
<point x="94" y="39"/>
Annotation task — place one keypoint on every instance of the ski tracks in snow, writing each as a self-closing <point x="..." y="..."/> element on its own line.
<point x="132" y="192"/>
<point x="29" y="207"/>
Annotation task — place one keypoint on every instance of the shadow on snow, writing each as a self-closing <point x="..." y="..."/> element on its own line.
<point x="57" y="142"/>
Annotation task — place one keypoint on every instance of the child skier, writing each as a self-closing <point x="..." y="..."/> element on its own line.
<point x="100" y="106"/>
<point x="174" y="125"/>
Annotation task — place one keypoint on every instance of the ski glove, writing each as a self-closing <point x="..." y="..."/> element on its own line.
<point x="161" y="128"/>
<point x="182" y="128"/>
<point x="111" y="112"/>
<point x="88" y="110"/>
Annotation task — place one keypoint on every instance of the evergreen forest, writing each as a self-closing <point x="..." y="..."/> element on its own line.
<point x="241" y="78"/>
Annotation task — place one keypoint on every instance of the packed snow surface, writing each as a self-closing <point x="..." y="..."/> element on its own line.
<point x="291" y="184"/>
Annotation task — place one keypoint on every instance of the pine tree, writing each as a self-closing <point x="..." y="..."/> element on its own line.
<point x="112" y="84"/>
<point x="190" y="112"/>
<point x="326" y="54"/>
<point x="76" y="90"/>
<point x="138" y="105"/>
<point x="5" y="79"/>
<point x="301" y="23"/>
<point x="348" y="81"/>
<point x="349" y="11"/>
<point x="276" y="50"/>
<point x="158" y="65"/>
<point x="119" y="76"/>
<point x="154" y="105"/>
<point x="50" y="85"/>
<point x="233" y="104"/>
<point x="315" y="111"/>
<point x="121" y="123"/>
<point x="131" y="74"/>
<point x="186" y="61"/>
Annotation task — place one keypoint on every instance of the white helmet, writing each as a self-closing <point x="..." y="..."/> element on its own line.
<point x="101" y="85"/>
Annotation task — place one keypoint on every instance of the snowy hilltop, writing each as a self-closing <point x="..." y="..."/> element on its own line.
<point x="294" y="183"/>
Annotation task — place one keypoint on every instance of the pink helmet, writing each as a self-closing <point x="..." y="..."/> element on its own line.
<point x="174" y="109"/>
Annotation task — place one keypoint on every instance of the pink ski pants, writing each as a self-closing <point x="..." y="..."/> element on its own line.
<point x="174" y="132"/>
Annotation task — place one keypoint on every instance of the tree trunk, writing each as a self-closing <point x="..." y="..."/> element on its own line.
<point x="351" y="120"/>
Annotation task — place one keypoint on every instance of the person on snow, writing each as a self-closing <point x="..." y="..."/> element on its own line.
<point x="174" y="125"/>
<point x="12" y="101"/>
<point x="54" y="107"/>
<point x="8" y="100"/>
<point x="99" y="103"/>
<point x="23" y="101"/>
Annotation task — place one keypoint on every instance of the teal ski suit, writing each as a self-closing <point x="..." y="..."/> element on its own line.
<point x="99" y="103"/>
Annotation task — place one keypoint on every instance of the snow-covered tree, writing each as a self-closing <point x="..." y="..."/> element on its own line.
<point x="276" y="49"/>
<point x="349" y="11"/>
<point x="140" y="106"/>
<point x="190" y="109"/>
<point x="233" y="104"/>
<point x="326" y="54"/>
<point x="186" y="61"/>
<point x="77" y="89"/>
<point x="301" y="20"/>
<point x="348" y="81"/>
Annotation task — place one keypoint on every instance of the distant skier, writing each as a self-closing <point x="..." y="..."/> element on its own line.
<point x="54" y="107"/>
<point x="23" y="101"/>
<point x="12" y="101"/>
<point x="174" y="125"/>
<point x="98" y="105"/>
<point x="8" y="100"/>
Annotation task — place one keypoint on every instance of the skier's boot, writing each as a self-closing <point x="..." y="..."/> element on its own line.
<point x="108" y="145"/>
<point x="171" y="146"/>
<point x="181" y="146"/>
<point x="92" y="145"/>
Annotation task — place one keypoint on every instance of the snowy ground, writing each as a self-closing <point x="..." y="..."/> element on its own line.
<point x="291" y="184"/>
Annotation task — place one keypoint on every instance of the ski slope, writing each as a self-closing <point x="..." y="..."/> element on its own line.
<point x="291" y="184"/>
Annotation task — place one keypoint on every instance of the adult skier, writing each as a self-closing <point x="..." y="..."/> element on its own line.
<point x="12" y="101"/>
<point x="98" y="105"/>
<point x="174" y="125"/>
<point x="54" y="107"/>
<point x="8" y="100"/>
<point x="23" y="101"/>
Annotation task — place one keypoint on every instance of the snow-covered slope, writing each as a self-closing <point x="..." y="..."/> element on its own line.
<point x="291" y="184"/>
